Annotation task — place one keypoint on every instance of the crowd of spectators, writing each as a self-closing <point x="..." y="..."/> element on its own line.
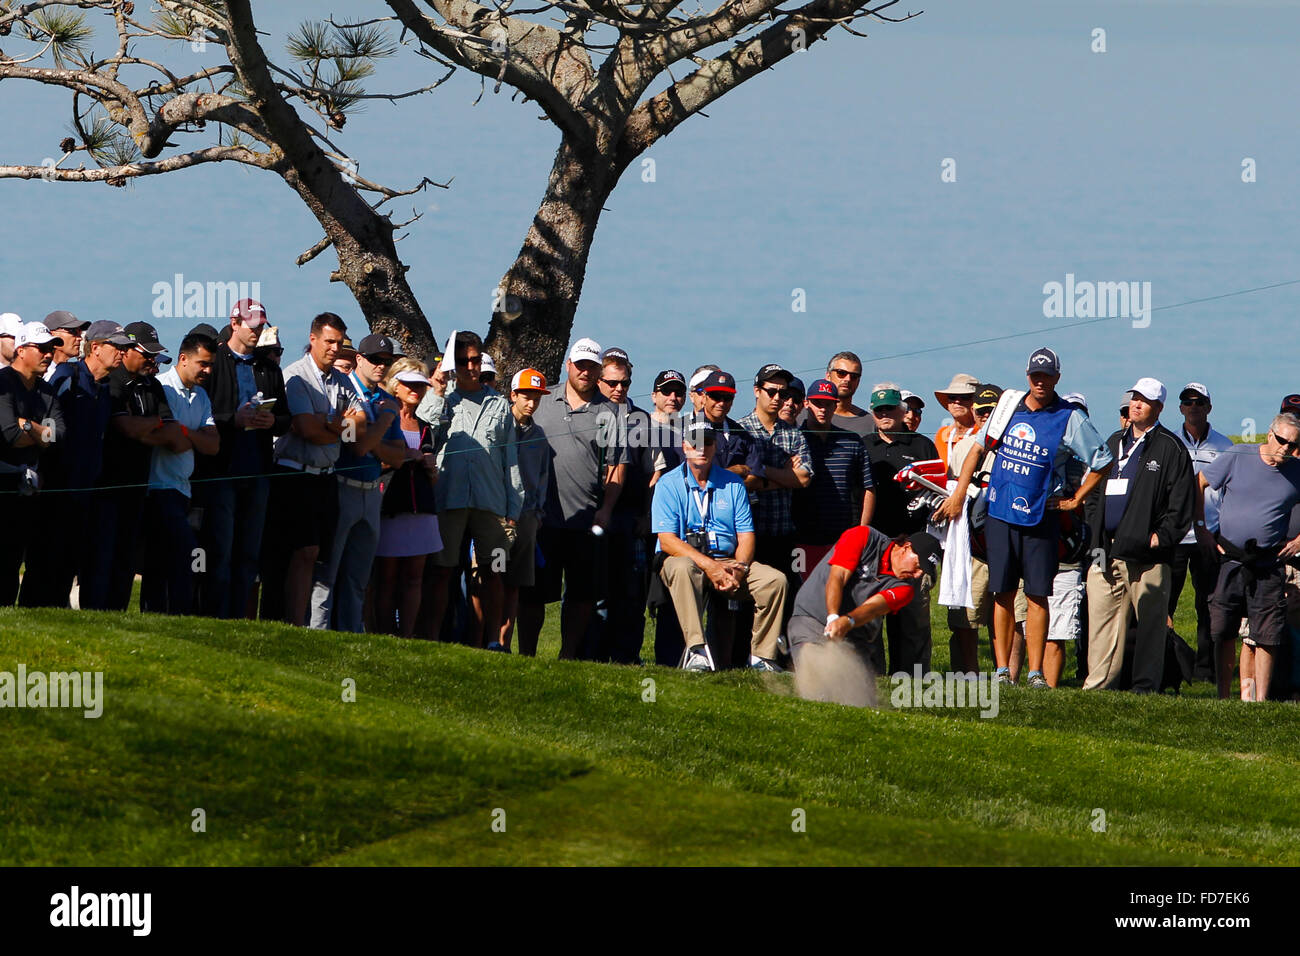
<point x="360" y="489"/>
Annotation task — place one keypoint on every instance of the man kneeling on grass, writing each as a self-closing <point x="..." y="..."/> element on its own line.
<point x="706" y="536"/>
<point x="865" y="577"/>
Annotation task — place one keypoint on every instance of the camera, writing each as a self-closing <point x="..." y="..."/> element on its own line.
<point x="699" y="540"/>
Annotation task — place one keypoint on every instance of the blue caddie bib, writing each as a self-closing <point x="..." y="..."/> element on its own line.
<point x="1022" y="471"/>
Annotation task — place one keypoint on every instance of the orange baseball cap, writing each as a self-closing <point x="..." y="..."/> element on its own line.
<point x="531" y="380"/>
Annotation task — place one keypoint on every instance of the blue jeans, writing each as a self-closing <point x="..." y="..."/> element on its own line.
<point x="338" y="593"/>
<point x="233" y="516"/>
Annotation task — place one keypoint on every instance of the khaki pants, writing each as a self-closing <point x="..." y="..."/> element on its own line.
<point x="1126" y="585"/>
<point x="765" y="586"/>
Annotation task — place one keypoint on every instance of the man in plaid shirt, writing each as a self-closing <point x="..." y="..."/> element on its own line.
<point x="788" y="465"/>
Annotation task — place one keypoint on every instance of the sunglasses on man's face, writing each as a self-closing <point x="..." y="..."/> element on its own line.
<point x="1193" y="401"/>
<point x="1291" y="447"/>
<point x="617" y="382"/>
<point x="380" y="359"/>
<point x="781" y="393"/>
<point x="845" y="373"/>
<point x="722" y="398"/>
<point x="674" y="392"/>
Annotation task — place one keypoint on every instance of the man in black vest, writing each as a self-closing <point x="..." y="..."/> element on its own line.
<point x="1137" y="518"/>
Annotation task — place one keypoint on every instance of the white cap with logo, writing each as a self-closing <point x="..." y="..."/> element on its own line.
<point x="35" y="333"/>
<point x="1151" y="389"/>
<point x="585" y="350"/>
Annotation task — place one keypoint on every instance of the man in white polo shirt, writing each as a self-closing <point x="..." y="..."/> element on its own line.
<point x="167" y="584"/>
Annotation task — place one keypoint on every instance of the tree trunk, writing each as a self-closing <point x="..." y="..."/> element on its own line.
<point x="362" y="237"/>
<point x="533" y="312"/>
<point x="371" y="269"/>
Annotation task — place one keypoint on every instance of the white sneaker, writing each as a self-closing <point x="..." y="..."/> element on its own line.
<point x="698" y="660"/>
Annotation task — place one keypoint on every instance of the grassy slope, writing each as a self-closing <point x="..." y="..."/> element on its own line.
<point x="247" y="722"/>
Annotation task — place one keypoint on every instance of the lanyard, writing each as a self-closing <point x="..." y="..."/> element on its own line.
<point x="1124" y="459"/>
<point x="702" y="504"/>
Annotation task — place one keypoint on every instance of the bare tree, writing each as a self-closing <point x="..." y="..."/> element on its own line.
<point x="605" y="113"/>
<point x="244" y="110"/>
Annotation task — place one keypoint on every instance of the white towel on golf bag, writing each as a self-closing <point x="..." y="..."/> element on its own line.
<point x="954" y="584"/>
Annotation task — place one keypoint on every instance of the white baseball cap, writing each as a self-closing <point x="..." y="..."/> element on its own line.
<point x="585" y="350"/>
<point x="1151" y="389"/>
<point x="487" y="366"/>
<point x="1076" y="398"/>
<point x="1196" y="387"/>
<point x="10" y="324"/>
<point x="35" y="333"/>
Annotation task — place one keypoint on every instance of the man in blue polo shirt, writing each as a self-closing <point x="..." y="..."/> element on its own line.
<point x="338" y="592"/>
<point x="701" y="515"/>
<point x="167" y="582"/>
<point x="1021" y="533"/>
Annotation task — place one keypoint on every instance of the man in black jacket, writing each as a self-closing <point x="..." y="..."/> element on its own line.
<point x="234" y="500"/>
<point x="1137" y="519"/>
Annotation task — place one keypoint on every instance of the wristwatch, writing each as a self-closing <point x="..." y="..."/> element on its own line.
<point x="27" y="426"/>
<point x="1200" y="524"/>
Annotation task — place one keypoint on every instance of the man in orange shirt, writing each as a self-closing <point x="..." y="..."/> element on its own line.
<point x="958" y="398"/>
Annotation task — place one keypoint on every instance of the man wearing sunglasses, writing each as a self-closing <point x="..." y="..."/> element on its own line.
<point x="1204" y="445"/>
<point x="1260" y="487"/>
<point x="480" y="490"/>
<point x="787" y="465"/>
<point x="844" y="371"/>
<point x="141" y="421"/>
<point x="31" y="422"/>
<point x="341" y="576"/>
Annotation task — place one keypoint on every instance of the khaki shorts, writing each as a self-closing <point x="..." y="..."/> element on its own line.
<point x="982" y="614"/>
<point x="489" y="532"/>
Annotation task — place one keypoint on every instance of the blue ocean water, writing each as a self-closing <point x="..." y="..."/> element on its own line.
<point x="822" y="176"/>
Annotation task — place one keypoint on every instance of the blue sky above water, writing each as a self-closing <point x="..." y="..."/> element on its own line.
<point x="823" y="175"/>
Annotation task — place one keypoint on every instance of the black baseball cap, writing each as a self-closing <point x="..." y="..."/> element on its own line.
<point x="718" y="382"/>
<point x="146" y="340"/>
<point x="204" y="328"/>
<point x="699" y="430"/>
<point x="986" y="396"/>
<point x="1043" y="360"/>
<point x="376" y="344"/>
<point x="1291" y="404"/>
<point x="771" y="371"/>
<point x="614" y="354"/>
<point x="797" y="387"/>
<point x="670" y="376"/>
<point x="927" y="549"/>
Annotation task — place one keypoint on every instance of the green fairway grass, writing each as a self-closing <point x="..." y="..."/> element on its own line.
<point x="575" y="765"/>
